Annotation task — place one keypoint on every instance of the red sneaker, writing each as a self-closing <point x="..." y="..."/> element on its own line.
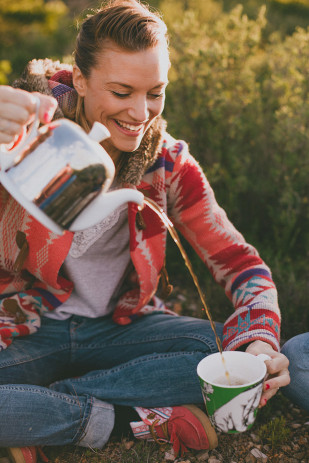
<point x="25" y="454"/>
<point x="188" y="427"/>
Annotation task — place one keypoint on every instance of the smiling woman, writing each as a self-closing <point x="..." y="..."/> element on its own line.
<point x="105" y="354"/>
<point x="125" y="91"/>
<point x="121" y="74"/>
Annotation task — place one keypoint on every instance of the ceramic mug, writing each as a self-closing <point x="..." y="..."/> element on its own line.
<point x="232" y="400"/>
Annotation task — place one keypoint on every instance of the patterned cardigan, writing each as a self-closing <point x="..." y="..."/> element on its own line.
<point x="33" y="285"/>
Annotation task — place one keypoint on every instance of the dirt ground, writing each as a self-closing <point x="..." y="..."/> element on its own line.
<point x="279" y="435"/>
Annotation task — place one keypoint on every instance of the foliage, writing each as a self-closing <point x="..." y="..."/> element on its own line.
<point x="238" y="94"/>
<point x="275" y="432"/>
<point x="5" y="70"/>
<point x="283" y="16"/>
<point x="33" y="29"/>
<point x="243" y="106"/>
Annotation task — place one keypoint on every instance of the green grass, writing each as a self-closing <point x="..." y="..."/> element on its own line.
<point x="113" y="452"/>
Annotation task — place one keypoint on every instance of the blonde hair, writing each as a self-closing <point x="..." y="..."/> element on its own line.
<point x="128" y="23"/>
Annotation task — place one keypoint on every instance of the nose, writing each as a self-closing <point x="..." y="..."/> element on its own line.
<point x="139" y="111"/>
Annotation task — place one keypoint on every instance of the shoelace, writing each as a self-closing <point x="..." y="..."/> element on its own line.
<point x="153" y="433"/>
<point x="42" y="455"/>
<point x="178" y="445"/>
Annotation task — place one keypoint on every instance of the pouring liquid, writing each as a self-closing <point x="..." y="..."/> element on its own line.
<point x="169" y="225"/>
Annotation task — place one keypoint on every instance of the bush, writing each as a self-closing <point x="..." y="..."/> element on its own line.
<point x="243" y="106"/>
<point x="33" y="29"/>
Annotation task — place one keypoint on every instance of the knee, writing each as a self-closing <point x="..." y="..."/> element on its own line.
<point x="296" y="349"/>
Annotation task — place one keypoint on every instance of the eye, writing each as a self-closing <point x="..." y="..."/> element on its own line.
<point x="156" y="96"/>
<point x="120" y="95"/>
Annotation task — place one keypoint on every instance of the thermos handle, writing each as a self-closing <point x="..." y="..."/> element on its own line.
<point x="7" y="157"/>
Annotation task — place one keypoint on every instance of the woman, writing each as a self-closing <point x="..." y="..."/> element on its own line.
<point x="94" y="361"/>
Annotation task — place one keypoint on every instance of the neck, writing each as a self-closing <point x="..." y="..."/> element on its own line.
<point x="113" y="152"/>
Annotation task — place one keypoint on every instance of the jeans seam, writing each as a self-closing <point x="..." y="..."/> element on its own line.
<point x="43" y="391"/>
<point x="207" y="342"/>
<point x="80" y="434"/>
<point x="6" y="364"/>
<point x="86" y="378"/>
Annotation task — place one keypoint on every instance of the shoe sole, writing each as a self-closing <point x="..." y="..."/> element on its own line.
<point x="211" y="433"/>
<point x="17" y="456"/>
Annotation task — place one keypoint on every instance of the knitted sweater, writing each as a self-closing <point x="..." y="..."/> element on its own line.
<point x="163" y="169"/>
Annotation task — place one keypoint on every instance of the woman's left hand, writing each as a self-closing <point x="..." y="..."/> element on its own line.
<point x="277" y="369"/>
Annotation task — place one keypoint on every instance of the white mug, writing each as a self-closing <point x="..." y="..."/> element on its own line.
<point x="232" y="399"/>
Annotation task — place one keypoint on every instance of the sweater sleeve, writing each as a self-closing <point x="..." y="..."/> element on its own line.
<point x="30" y="283"/>
<point x="234" y="264"/>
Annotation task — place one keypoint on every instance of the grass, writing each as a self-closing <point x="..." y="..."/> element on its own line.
<point x="270" y="427"/>
<point x="114" y="452"/>
<point x="275" y="432"/>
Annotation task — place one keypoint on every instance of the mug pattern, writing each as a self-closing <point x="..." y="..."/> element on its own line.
<point x="232" y="410"/>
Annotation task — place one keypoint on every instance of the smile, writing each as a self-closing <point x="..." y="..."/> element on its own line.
<point x="134" y="128"/>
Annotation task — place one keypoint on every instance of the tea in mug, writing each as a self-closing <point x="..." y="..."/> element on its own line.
<point x="230" y="380"/>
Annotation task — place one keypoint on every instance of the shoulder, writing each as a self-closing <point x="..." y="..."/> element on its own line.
<point x="177" y="151"/>
<point x="174" y="146"/>
<point x="36" y="78"/>
<point x="37" y="73"/>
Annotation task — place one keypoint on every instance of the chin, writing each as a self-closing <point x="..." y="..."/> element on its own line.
<point x="128" y="147"/>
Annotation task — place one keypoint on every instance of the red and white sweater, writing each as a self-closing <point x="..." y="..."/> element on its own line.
<point x="163" y="169"/>
<point x="177" y="184"/>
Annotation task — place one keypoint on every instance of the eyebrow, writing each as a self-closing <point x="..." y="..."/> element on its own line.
<point x="161" y="84"/>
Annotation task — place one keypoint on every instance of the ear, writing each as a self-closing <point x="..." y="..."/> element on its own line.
<point x="79" y="81"/>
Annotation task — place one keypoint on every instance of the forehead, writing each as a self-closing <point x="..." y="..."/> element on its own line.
<point x="115" y="64"/>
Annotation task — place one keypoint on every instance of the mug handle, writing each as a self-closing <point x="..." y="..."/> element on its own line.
<point x="7" y="157"/>
<point x="264" y="357"/>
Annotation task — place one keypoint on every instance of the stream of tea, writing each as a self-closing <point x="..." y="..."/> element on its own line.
<point x="169" y="225"/>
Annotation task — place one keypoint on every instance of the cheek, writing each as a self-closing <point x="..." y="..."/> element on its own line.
<point x="157" y="107"/>
<point x="96" y="104"/>
<point x="108" y="107"/>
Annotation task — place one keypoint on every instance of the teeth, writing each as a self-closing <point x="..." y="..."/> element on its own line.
<point x="133" y="128"/>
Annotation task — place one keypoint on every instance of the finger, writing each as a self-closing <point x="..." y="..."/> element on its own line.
<point x="272" y="386"/>
<point x="17" y="100"/>
<point x="278" y="363"/>
<point x="22" y="105"/>
<point x="47" y="108"/>
<point x="16" y="96"/>
<point x="14" y="113"/>
<point x="265" y="397"/>
<point x="281" y="380"/>
<point x="10" y="128"/>
<point x="6" y="139"/>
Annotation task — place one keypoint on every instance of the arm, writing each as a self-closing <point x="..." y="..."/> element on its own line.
<point x="234" y="264"/>
<point x="19" y="309"/>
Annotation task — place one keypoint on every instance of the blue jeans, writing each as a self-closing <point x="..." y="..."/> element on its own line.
<point x="297" y="351"/>
<point x="58" y="386"/>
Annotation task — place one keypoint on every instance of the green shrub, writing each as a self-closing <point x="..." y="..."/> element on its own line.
<point x="243" y="106"/>
<point x="33" y="29"/>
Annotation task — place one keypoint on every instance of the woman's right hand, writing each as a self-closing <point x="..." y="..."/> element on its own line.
<point x="17" y="110"/>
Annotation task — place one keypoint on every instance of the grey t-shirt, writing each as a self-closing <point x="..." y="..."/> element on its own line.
<point x="96" y="264"/>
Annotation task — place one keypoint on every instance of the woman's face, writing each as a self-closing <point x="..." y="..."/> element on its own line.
<point x="125" y="92"/>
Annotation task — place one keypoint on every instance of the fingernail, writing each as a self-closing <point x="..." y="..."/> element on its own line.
<point x="267" y="386"/>
<point x="47" y="116"/>
<point x="265" y="401"/>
